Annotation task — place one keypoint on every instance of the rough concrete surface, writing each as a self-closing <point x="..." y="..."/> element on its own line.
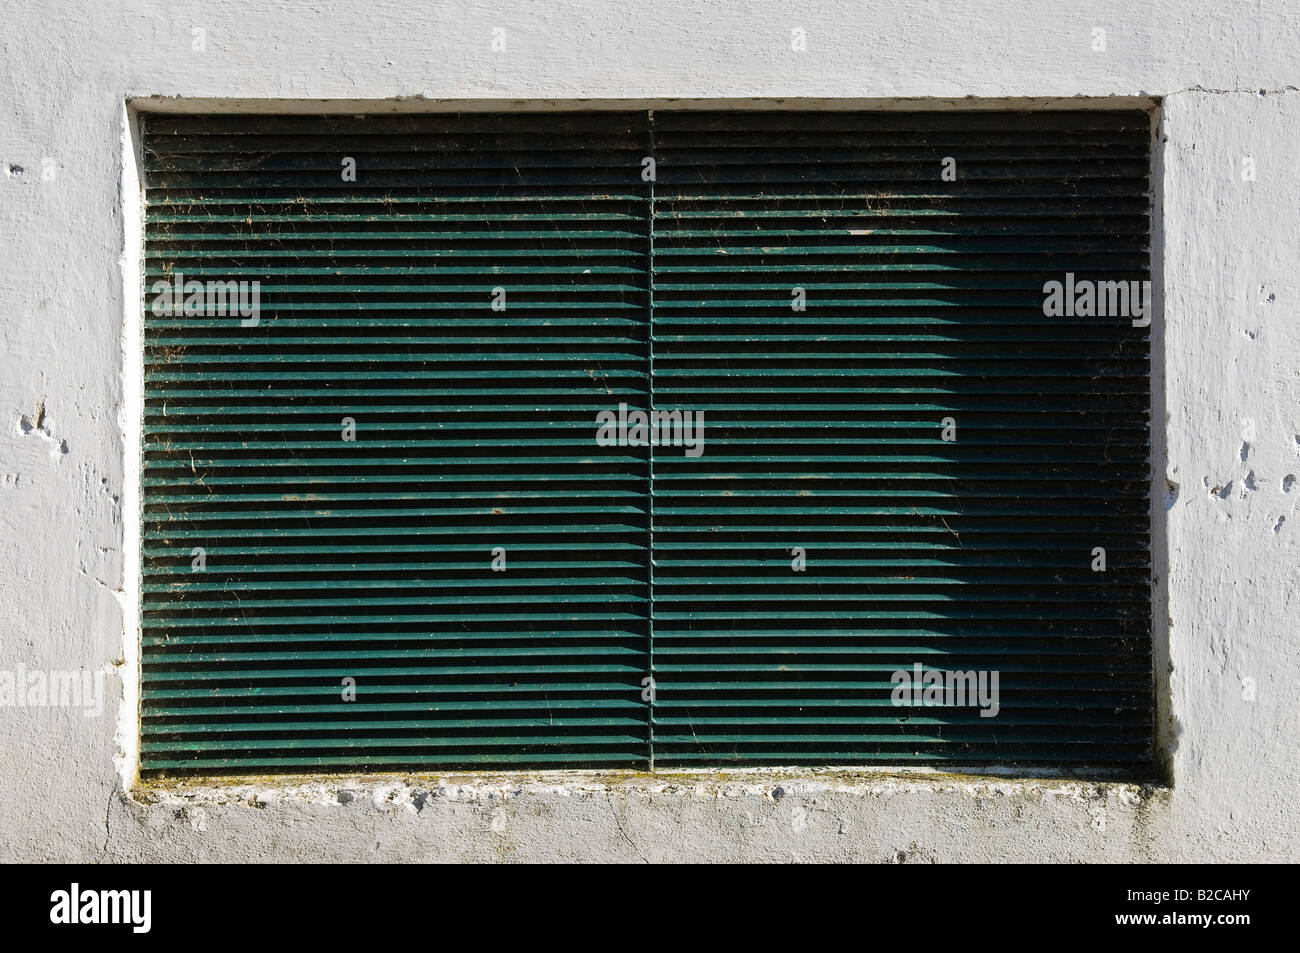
<point x="1226" y="80"/>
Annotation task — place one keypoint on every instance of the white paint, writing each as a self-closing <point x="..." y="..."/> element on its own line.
<point x="1227" y="335"/>
<point x="131" y="261"/>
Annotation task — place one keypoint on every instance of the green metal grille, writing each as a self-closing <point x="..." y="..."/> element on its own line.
<point x="372" y="559"/>
<point x="924" y="302"/>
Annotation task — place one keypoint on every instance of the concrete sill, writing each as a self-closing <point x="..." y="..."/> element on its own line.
<point x="415" y="791"/>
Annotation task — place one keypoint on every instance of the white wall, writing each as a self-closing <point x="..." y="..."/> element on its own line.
<point x="1227" y="75"/>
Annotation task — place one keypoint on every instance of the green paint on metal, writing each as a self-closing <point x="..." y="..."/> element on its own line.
<point x="371" y="559"/>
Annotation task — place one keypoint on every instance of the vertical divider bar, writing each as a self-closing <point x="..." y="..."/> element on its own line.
<point x="650" y="450"/>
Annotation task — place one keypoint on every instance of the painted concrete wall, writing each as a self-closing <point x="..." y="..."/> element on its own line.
<point x="1228" y="77"/>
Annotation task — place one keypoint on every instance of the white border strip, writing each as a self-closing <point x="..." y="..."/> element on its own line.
<point x="130" y="418"/>
<point x="423" y="104"/>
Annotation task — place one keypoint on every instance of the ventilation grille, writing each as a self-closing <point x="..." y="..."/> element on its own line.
<point x="825" y="444"/>
<point x="483" y="289"/>
<point x="372" y="559"/>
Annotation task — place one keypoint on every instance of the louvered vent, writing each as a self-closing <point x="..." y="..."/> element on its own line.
<point x="825" y="450"/>
<point x="379" y="559"/>
<point x="379" y="531"/>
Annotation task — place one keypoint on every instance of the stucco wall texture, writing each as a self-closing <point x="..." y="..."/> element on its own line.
<point x="1226" y="81"/>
